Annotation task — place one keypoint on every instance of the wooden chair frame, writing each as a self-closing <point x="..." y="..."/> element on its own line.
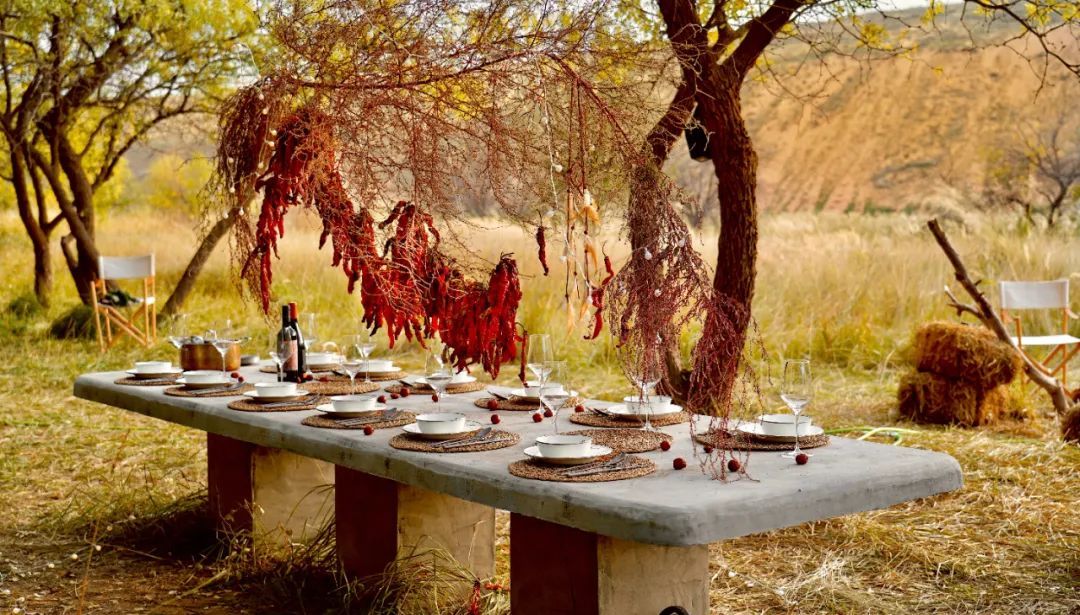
<point x="1059" y="353"/>
<point x="106" y="316"/>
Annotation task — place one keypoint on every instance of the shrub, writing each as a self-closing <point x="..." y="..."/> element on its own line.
<point x="76" y="323"/>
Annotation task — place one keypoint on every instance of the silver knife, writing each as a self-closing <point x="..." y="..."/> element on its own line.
<point x="603" y="470"/>
<point x="480" y="441"/>
<point x="307" y="400"/>
<point x="387" y="415"/>
<point x="231" y="387"/>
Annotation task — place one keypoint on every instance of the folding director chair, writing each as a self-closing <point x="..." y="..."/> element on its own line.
<point x="107" y="309"/>
<point x="1053" y="295"/>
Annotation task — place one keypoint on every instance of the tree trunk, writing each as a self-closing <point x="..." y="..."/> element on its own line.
<point x="196" y="264"/>
<point x="39" y="236"/>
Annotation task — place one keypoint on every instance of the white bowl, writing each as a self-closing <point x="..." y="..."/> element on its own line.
<point x="275" y="389"/>
<point x="441" y="422"/>
<point x="533" y="389"/>
<point x="462" y="377"/>
<point x="564" y="446"/>
<point x="354" y="403"/>
<point x="153" y="367"/>
<point x="784" y="424"/>
<point x="206" y="376"/>
<point x="659" y="404"/>
<point x="377" y="365"/>
<point x="322" y="358"/>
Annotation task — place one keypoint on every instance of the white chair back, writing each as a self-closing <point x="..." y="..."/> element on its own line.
<point x="1035" y="295"/>
<point x="125" y="267"/>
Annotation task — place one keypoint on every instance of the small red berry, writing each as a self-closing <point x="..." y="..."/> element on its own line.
<point x="733" y="465"/>
<point x="368" y="430"/>
<point x="665" y="445"/>
<point x="381" y="399"/>
<point x="435" y="397"/>
<point x="708" y="449"/>
<point x="579" y="408"/>
<point x="537" y="418"/>
<point x="235" y="374"/>
<point x="239" y="378"/>
<point x="492" y="404"/>
<point x="548" y="413"/>
<point x="495" y="419"/>
<point x="802" y="458"/>
<point x="394" y="396"/>
<point x="405" y="392"/>
<point x="678" y="463"/>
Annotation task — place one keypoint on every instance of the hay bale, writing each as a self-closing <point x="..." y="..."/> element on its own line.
<point x="961" y="352"/>
<point x="928" y="398"/>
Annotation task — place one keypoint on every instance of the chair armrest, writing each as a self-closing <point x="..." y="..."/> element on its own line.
<point x="1071" y="314"/>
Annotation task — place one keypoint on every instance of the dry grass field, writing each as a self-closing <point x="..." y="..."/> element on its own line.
<point x="101" y="507"/>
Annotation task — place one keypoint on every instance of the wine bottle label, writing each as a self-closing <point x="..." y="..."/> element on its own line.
<point x="292" y="363"/>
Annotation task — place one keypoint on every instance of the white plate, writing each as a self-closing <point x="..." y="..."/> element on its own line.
<point x="254" y="396"/>
<point x="205" y="385"/>
<point x="150" y="376"/>
<point x="754" y="429"/>
<point x="533" y="452"/>
<point x="349" y="414"/>
<point x="623" y="410"/>
<point x="458" y="380"/>
<point x="414" y="430"/>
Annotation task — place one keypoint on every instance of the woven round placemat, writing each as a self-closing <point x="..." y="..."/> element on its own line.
<point x="248" y="405"/>
<point x="325" y="423"/>
<point x="537" y="470"/>
<point x="408" y="442"/>
<point x="624" y="440"/>
<point x="591" y="419"/>
<point x="729" y="440"/>
<point x="329" y="373"/>
<point x="339" y="388"/>
<point x="182" y="392"/>
<point x="453" y="389"/>
<point x="514" y="404"/>
<point x="132" y="381"/>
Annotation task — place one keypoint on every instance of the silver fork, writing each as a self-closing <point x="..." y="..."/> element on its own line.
<point x="593" y="465"/>
<point x="387" y="415"/>
<point x="225" y="389"/>
<point x="601" y="470"/>
<point x="307" y="400"/>
<point x="469" y="439"/>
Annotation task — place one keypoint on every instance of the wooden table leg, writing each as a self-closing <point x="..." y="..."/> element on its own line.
<point x="557" y="570"/>
<point x="378" y="519"/>
<point x="276" y="495"/>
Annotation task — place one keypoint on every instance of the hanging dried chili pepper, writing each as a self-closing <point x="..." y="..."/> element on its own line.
<point x="541" y="244"/>
<point x="598" y="300"/>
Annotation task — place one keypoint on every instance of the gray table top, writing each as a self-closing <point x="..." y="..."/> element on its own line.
<point x="669" y="507"/>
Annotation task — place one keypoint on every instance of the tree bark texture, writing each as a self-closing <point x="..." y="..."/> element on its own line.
<point x="195" y="265"/>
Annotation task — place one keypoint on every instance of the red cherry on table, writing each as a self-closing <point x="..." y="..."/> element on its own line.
<point x="435" y="397"/>
<point x="579" y="408"/>
<point x="537" y="418"/>
<point x="733" y="465"/>
<point x="394" y="396"/>
<point x="708" y="449"/>
<point x="548" y="413"/>
<point x="495" y="419"/>
<point x="405" y="392"/>
<point x="802" y="458"/>
<point x="381" y="399"/>
<point x="239" y="378"/>
<point x="235" y="374"/>
<point x="665" y="445"/>
<point x="492" y="404"/>
<point x="678" y="463"/>
<point x="368" y="430"/>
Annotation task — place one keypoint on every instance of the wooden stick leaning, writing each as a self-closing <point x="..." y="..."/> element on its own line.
<point x="986" y="314"/>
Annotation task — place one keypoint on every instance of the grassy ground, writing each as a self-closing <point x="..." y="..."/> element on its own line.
<point x="76" y="476"/>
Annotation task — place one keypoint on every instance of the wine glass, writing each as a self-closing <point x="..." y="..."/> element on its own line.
<point x="311" y="335"/>
<point x="796" y="391"/>
<point x="438" y="377"/>
<point x="178" y="335"/>
<point x="555" y="390"/>
<point x="351" y="362"/>
<point x="539" y="355"/>
<point x="365" y="344"/>
<point x="645" y="378"/>
<point x="280" y="353"/>
<point x="222" y="345"/>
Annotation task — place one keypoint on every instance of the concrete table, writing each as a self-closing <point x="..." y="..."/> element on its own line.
<point x="632" y="546"/>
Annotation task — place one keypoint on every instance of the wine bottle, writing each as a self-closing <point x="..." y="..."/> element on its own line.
<point x="286" y="340"/>
<point x="301" y="347"/>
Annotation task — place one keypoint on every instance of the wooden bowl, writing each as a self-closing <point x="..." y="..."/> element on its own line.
<point x="205" y="356"/>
